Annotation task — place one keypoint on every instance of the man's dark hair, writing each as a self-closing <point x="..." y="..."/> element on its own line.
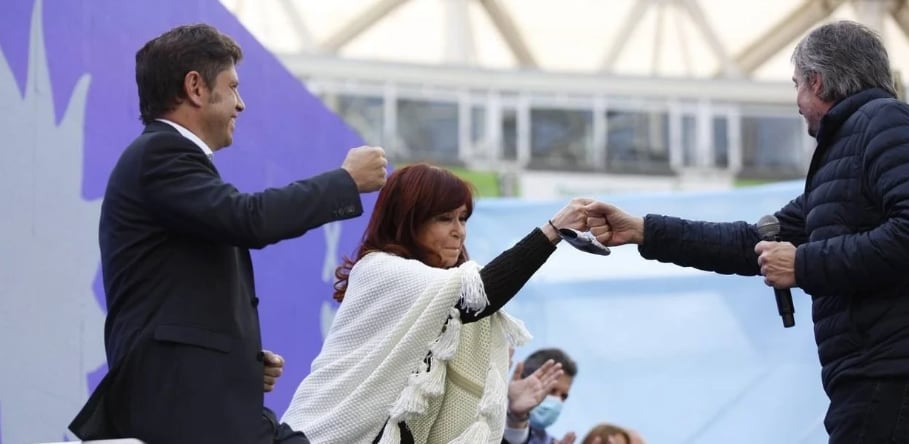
<point x="539" y="357"/>
<point x="162" y="65"/>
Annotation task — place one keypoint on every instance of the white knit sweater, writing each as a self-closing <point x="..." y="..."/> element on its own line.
<point x="372" y="366"/>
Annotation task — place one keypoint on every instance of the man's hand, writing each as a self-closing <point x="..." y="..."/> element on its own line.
<point x="527" y="393"/>
<point x="777" y="262"/>
<point x="274" y="367"/>
<point x="367" y="166"/>
<point x="612" y="226"/>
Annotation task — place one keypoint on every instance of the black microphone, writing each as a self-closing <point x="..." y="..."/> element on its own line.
<point x="769" y="229"/>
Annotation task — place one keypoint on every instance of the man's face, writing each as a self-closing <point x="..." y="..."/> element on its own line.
<point x="222" y="107"/>
<point x="562" y="387"/>
<point x="811" y="107"/>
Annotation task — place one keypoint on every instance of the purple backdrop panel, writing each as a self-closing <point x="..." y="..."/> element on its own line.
<point x="285" y="134"/>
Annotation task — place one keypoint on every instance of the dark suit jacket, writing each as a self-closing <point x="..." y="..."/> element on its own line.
<point x="182" y="331"/>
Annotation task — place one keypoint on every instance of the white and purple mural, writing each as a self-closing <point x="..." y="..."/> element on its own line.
<point x="69" y="106"/>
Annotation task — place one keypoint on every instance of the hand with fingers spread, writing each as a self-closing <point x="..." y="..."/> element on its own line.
<point x="539" y="387"/>
<point x="526" y="393"/>
<point x="274" y="367"/>
<point x="612" y="226"/>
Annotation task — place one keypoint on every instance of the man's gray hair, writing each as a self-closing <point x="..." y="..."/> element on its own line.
<point x="848" y="56"/>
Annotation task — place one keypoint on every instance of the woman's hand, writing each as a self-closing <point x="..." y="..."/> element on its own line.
<point x="573" y="215"/>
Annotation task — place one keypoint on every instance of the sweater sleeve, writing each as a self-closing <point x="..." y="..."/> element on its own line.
<point x="504" y="276"/>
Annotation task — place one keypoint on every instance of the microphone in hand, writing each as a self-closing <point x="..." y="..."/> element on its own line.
<point x="769" y="229"/>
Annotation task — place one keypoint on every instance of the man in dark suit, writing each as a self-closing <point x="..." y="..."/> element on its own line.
<point x="182" y="331"/>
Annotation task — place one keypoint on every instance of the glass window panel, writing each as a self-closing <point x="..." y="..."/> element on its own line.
<point x="428" y="131"/>
<point x="364" y="114"/>
<point x="721" y="142"/>
<point x="689" y="141"/>
<point x="637" y="141"/>
<point x="772" y="146"/>
<point x="561" y="138"/>
<point x="480" y="148"/>
<point x="477" y="125"/>
<point x="509" y="134"/>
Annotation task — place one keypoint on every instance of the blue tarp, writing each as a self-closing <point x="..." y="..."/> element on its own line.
<point x="681" y="355"/>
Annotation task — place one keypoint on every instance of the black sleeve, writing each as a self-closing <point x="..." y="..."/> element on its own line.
<point x="792" y="221"/>
<point x="726" y="248"/>
<point x="508" y="272"/>
<point x="184" y="193"/>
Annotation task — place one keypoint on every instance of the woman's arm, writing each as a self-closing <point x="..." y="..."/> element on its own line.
<point x="509" y="271"/>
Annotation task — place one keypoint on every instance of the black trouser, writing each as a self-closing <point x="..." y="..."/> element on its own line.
<point x="281" y="433"/>
<point x="872" y="411"/>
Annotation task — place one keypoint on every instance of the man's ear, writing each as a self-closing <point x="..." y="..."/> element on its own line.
<point x="816" y="83"/>
<point x="195" y="88"/>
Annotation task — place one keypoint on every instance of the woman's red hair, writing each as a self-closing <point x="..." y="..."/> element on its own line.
<point x="411" y="196"/>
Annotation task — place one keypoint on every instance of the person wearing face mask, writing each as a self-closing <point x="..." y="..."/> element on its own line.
<point x="527" y="424"/>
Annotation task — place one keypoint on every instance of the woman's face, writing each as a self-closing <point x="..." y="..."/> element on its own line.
<point x="443" y="235"/>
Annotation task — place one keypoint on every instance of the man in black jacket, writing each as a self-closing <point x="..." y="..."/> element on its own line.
<point x="182" y="331"/>
<point x="845" y="240"/>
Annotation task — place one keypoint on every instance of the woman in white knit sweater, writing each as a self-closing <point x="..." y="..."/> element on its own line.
<point x="418" y="350"/>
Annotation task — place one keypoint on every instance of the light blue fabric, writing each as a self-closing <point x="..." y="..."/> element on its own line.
<point x="546" y="414"/>
<point x="681" y="356"/>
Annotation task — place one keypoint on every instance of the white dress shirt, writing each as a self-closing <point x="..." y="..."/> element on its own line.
<point x="189" y="135"/>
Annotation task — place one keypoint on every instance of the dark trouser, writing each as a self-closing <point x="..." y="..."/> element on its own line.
<point x="281" y="433"/>
<point x="872" y="411"/>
